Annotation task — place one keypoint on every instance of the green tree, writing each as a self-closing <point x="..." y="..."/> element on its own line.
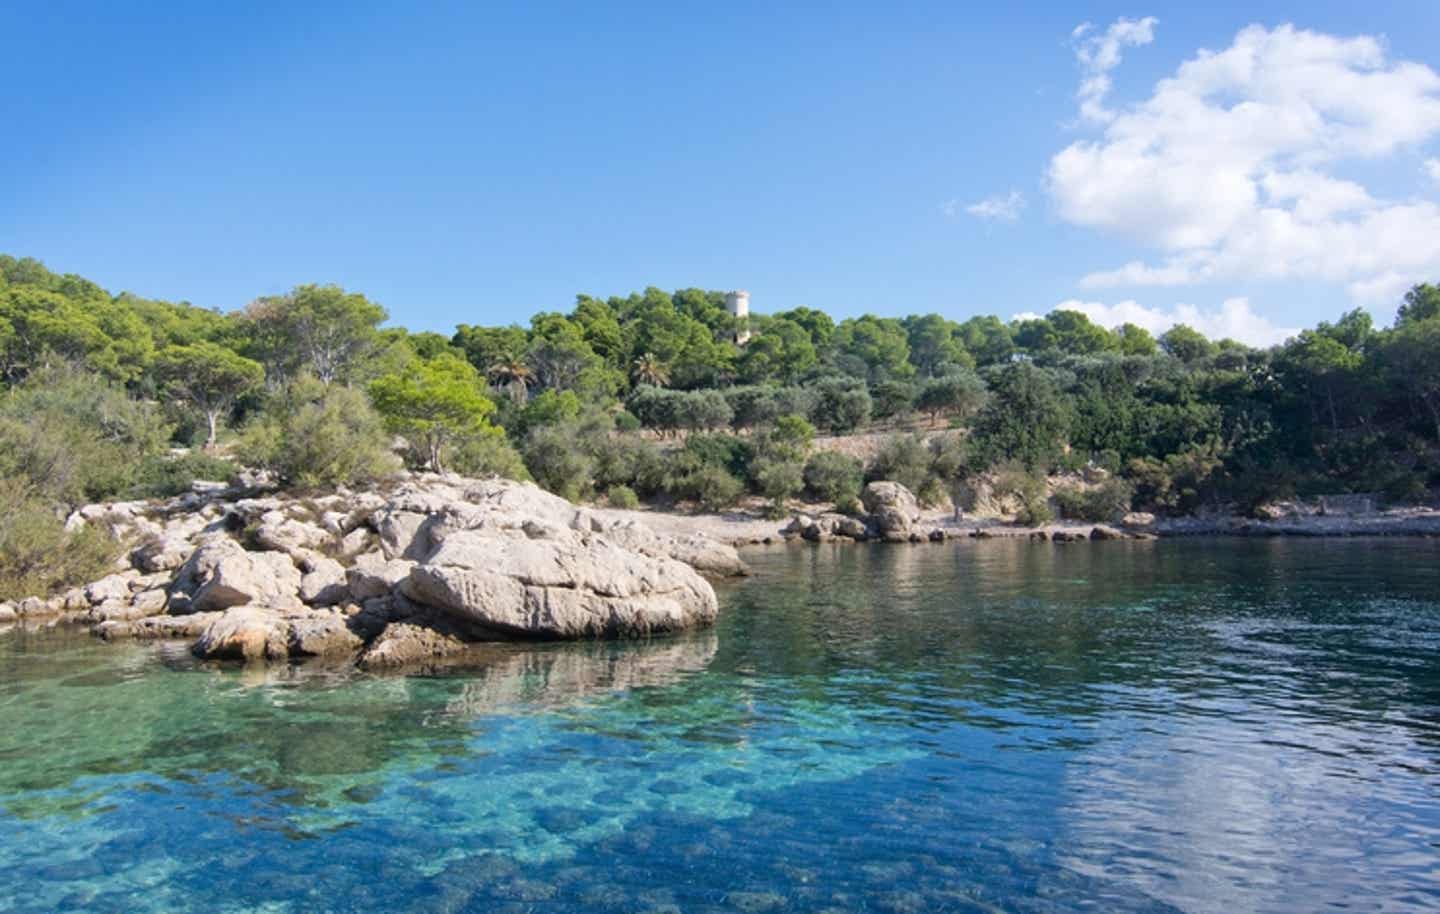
<point x="210" y="377"/>
<point x="1411" y="356"/>
<point x="1025" y="420"/>
<point x="434" y="404"/>
<point x="322" y="330"/>
<point x="1421" y="303"/>
<point x="880" y="343"/>
<point x="1186" y="344"/>
<point x="958" y="394"/>
<point x="1136" y="340"/>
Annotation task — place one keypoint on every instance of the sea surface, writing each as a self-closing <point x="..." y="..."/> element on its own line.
<point x="1203" y="726"/>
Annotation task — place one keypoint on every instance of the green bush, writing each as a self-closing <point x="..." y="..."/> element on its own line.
<point x="904" y="459"/>
<point x="622" y="497"/>
<point x="779" y="480"/>
<point x="1015" y="481"/>
<point x="489" y="454"/>
<point x="37" y="556"/>
<point x="833" y="477"/>
<point x="1102" y="503"/>
<point x="557" y="462"/>
<point x="71" y="437"/>
<point x="712" y="487"/>
<point x="315" y="436"/>
<point x="729" y="452"/>
<point x="163" y="476"/>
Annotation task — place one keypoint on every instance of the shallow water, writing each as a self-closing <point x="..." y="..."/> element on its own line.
<point x="1209" y="726"/>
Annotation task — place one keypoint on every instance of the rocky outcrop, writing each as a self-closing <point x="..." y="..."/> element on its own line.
<point x="558" y="583"/>
<point x="263" y="633"/>
<point x="222" y="573"/>
<point x="893" y="510"/>
<point x="389" y="579"/>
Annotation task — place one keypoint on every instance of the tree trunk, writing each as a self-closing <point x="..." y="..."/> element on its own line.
<point x="212" y="419"/>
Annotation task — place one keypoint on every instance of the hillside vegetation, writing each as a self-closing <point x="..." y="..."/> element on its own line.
<point x="647" y="397"/>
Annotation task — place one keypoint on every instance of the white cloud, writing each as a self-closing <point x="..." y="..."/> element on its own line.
<point x="1002" y="207"/>
<point x="1226" y="168"/>
<point x="1234" y="318"/>
<point x="1432" y="168"/>
<point x="1098" y="54"/>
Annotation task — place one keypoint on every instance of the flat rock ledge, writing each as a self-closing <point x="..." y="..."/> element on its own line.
<point x="390" y="579"/>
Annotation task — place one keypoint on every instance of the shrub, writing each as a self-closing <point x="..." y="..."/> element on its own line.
<point x="1102" y="503"/>
<point x="71" y="437"/>
<point x="790" y="439"/>
<point x="315" y="436"/>
<point x="625" y="421"/>
<point x="622" y="497"/>
<point x="732" y="454"/>
<point x="490" y="454"/>
<point x="904" y="459"/>
<point x="833" y="477"/>
<point x="557" y="463"/>
<point x="843" y="405"/>
<point x="1014" y="481"/>
<point x="37" y="556"/>
<point x="163" y="476"/>
<point x="778" y="480"/>
<point x="713" y="488"/>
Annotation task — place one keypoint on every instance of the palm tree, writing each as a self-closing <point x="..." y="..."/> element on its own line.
<point x="514" y="375"/>
<point x="650" y="370"/>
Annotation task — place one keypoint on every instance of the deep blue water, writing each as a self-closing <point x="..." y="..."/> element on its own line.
<point x="1208" y="726"/>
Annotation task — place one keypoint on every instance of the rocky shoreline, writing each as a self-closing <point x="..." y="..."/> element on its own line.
<point x="430" y="566"/>
<point x="385" y="579"/>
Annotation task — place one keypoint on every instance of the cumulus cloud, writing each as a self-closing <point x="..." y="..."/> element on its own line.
<point x="1234" y="319"/>
<point x="1098" y="54"/>
<point x="1001" y="207"/>
<point x="1432" y="168"/>
<point x="1227" y="169"/>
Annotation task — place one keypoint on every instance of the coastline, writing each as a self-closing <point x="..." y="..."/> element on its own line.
<point x="743" y="528"/>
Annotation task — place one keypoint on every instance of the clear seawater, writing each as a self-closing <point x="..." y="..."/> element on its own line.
<point x="1206" y="726"/>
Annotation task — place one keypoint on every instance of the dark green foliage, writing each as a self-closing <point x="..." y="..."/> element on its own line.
<point x="1014" y="481"/>
<point x="904" y="459"/>
<point x="843" y="405"/>
<point x="1345" y="406"/>
<point x="71" y="437"/>
<point x="1105" y="502"/>
<point x="311" y="435"/>
<point x="1025" y="420"/>
<point x="161" y="476"/>
<point x="621" y="496"/>
<point x="833" y="477"/>
<point x="37" y="556"/>
<point x="557" y="462"/>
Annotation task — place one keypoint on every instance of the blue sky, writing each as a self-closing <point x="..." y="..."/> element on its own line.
<point x="471" y="163"/>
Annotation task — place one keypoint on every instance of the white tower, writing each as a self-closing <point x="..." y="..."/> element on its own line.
<point x="739" y="304"/>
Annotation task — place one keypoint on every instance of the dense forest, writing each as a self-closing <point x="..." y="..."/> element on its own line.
<point x="648" y="397"/>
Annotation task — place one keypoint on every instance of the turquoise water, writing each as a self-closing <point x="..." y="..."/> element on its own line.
<point x="1249" y="725"/>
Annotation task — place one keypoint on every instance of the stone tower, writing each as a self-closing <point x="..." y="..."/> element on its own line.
<point x="739" y="304"/>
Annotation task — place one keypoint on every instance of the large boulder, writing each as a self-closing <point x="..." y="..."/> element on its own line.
<point x="373" y="575"/>
<point x="283" y="534"/>
<point x="263" y="633"/>
<point x="893" y="510"/>
<point x="324" y="583"/>
<point x="421" y="639"/>
<point x="161" y="553"/>
<point x="221" y="574"/>
<point x="570" y="586"/>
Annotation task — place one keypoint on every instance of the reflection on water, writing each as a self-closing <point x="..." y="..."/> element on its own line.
<point x="1197" y="726"/>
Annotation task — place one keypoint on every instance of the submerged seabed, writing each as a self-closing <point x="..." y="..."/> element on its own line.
<point x="983" y="726"/>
